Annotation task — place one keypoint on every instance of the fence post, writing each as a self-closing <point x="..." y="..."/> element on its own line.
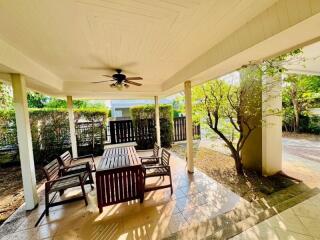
<point x="112" y="132"/>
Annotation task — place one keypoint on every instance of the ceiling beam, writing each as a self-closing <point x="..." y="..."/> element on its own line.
<point x="13" y="59"/>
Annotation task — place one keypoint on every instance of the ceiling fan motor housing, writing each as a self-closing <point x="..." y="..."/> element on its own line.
<point x="119" y="77"/>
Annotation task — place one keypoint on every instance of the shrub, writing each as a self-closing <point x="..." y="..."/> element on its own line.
<point x="50" y="131"/>
<point x="143" y="117"/>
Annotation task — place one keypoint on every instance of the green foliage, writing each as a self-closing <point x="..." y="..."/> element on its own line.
<point x="148" y="111"/>
<point x="49" y="129"/>
<point x="92" y="114"/>
<point x="140" y="116"/>
<point x="36" y="100"/>
<point x="56" y="103"/>
<point x="5" y="96"/>
<point x="300" y="94"/>
<point x="178" y="106"/>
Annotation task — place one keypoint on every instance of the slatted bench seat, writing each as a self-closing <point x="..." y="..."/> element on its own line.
<point x="57" y="183"/>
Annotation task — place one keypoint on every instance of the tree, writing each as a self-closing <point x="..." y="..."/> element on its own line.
<point x="36" y="100"/>
<point x="234" y="111"/>
<point x="299" y="94"/>
<point x="229" y="106"/>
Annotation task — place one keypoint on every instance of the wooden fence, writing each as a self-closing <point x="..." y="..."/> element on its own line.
<point x="122" y="131"/>
<point x="179" y="125"/>
<point x="90" y="137"/>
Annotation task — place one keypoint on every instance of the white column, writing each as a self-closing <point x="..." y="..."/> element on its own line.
<point x="24" y="141"/>
<point x="72" y="127"/>
<point x="157" y="111"/>
<point x="188" y="106"/>
<point x="272" y="126"/>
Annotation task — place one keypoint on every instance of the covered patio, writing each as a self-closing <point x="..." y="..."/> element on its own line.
<point x="61" y="48"/>
<point x="196" y="200"/>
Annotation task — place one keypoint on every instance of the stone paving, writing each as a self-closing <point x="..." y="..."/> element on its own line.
<point x="299" y="222"/>
<point x="301" y="160"/>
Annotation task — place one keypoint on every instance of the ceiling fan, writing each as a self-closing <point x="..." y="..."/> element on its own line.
<point x="121" y="80"/>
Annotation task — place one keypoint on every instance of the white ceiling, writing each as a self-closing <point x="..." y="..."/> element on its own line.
<point x="153" y="39"/>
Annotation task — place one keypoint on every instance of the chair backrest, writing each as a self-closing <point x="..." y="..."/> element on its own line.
<point x="52" y="170"/>
<point x="156" y="150"/>
<point x="165" y="157"/>
<point x="65" y="159"/>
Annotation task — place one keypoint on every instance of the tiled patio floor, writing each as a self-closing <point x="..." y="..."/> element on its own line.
<point x="299" y="222"/>
<point x="196" y="198"/>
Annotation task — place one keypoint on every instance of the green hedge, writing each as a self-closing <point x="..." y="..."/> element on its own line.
<point x="140" y="114"/>
<point x="49" y="129"/>
<point x="310" y="124"/>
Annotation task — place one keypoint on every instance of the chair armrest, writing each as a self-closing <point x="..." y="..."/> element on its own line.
<point x="149" y="157"/>
<point x="73" y="165"/>
<point x="158" y="166"/>
<point x="84" y="156"/>
<point x="64" y="178"/>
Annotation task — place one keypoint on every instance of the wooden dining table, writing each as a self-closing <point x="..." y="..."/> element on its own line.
<point x="119" y="176"/>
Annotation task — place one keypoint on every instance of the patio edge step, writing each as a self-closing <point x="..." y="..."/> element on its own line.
<point x="239" y="227"/>
<point x="233" y="228"/>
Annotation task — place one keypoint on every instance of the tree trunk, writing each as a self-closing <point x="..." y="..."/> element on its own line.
<point x="296" y="115"/>
<point x="295" y="104"/>
<point x="237" y="159"/>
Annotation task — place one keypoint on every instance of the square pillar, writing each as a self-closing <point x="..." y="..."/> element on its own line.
<point x="25" y="142"/>
<point x="262" y="151"/>
<point x="157" y="115"/>
<point x="189" y="133"/>
<point x="72" y="127"/>
<point x="271" y="126"/>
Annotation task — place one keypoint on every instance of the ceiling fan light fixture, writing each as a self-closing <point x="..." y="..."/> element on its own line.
<point x="119" y="86"/>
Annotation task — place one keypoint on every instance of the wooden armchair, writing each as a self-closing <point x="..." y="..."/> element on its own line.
<point x="161" y="169"/>
<point x="154" y="158"/>
<point x="57" y="183"/>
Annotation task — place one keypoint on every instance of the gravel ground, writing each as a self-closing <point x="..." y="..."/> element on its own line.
<point x="11" y="191"/>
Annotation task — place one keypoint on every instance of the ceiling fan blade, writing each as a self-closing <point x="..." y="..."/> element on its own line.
<point x="107" y="76"/>
<point x="134" y="78"/>
<point x="94" y="68"/>
<point x="101" y="81"/>
<point x="133" y="83"/>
